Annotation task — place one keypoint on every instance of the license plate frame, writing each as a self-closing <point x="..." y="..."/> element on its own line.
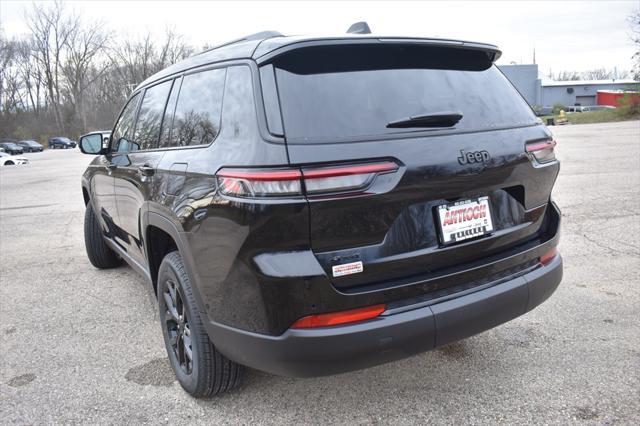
<point x="465" y="222"/>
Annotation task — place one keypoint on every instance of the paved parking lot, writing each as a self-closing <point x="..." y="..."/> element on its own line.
<point x="80" y="345"/>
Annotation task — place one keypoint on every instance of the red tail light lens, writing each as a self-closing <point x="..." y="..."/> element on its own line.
<point x="541" y="150"/>
<point x="338" y="318"/>
<point x="259" y="183"/>
<point x="344" y="178"/>
<point x="546" y="258"/>
<point x="348" y="179"/>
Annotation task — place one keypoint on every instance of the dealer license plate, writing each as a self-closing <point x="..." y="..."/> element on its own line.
<point x="463" y="220"/>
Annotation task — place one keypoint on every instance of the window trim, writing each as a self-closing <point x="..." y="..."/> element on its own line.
<point x="176" y="81"/>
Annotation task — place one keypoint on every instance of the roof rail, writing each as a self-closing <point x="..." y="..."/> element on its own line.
<point x="359" y="28"/>
<point x="262" y="35"/>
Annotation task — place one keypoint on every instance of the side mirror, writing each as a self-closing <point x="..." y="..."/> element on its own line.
<point x="91" y="143"/>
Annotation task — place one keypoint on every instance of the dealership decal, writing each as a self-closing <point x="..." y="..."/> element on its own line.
<point x="347" y="269"/>
<point x="465" y="214"/>
<point x="465" y="219"/>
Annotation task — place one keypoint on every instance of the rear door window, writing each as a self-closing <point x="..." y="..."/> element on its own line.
<point x="151" y="114"/>
<point x="199" y="108"/>
<point x="353" y="93"/>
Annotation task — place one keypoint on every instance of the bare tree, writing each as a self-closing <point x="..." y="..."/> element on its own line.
<point x="51" y="29"/>
<point x="567" y="76"/>
<point x="598" y="74"/>
<point x="31" y="75"/>
<point x="634" y="24"/>
<point x="595" y="74"/>
<point x="68" y="76"/>
<point x="136" y="60"/>
<point x="84" y="45"/>
<point x="7" y="83"/>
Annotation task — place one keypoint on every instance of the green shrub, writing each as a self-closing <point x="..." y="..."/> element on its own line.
<point x="629" y="105"/>
<point x="557" y="107"/>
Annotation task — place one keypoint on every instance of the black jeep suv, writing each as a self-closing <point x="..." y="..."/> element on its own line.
<point x="309" y="206"/>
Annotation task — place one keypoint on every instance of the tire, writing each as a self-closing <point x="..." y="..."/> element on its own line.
<point x="208" y="372"/>
<point x="98" y="252"/>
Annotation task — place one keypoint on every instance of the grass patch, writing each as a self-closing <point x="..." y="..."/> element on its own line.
<point x="601" y="116"/>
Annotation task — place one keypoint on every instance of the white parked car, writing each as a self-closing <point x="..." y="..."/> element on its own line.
<point x="12" y="160"/>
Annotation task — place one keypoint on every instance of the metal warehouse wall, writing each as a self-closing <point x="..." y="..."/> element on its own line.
<point x="552" y="95"/>
<point x="525" y="79"/>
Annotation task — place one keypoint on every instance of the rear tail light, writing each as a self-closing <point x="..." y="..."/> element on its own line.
<point x="348" y="179"/>
<point x="259" y="183"/>
<point x="344" y="178"/>
<point x="546" y="258"/>
<point x="541" y="150"/>
<point x="338" y="318"/>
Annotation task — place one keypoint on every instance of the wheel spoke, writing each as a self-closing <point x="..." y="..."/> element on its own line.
<point x="172" y="292"/>
<point x="171" y="309"/>
<point x="177" y="326"/>
<point x="173" y="340"/>
<point x="180" y="349"/>
<point x="186" y="341"/>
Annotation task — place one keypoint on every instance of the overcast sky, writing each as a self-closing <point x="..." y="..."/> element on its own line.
<point x="577" y="35"/>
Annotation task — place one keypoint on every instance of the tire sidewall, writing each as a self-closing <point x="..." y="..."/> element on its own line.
<point x="168" y="270"/>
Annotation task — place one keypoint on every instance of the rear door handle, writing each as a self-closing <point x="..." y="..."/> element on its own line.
<point x="111" y="167"/>
<point x="146" y="170"/>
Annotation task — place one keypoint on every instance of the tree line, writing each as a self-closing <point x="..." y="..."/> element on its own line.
<point x="70" y="76"/>
<point x="595" y="74"/>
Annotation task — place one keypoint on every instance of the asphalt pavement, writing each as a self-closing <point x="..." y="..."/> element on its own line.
<point x="79" y="345"/>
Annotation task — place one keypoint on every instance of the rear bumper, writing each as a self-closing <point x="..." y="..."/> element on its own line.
<point x="332" y="350"/>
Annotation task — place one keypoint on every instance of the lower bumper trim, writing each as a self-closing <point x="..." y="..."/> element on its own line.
<point x="332" y="350"/>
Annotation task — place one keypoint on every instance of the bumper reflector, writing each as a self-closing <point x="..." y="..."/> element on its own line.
<point x="337" y="318"/>
<point x="546" y="258"/>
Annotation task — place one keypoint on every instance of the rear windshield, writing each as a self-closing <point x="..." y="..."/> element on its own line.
<point x="347" y="95"/>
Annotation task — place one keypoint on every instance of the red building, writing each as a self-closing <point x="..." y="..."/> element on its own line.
<point x="614" y="97"/>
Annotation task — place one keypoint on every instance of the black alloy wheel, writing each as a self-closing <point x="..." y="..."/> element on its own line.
<point x="176" y="322"/>
<point x="201" y="370"/>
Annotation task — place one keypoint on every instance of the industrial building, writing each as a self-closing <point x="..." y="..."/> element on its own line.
<point x="540" y="90"/>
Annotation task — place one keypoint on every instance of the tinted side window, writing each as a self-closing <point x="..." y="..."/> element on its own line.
<point x="167" y="121"/>
<point x="123" y="133"/>
<point x="150" y="115"/>
<point x="197" y="116"/>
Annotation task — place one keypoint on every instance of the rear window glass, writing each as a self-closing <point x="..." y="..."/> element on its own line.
<point x="344" y="96"/>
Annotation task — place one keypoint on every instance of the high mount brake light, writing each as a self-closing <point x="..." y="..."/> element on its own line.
<point x="338" y="318"/>
<point x="541" y="150"/>
<point x="348" y="179"/>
